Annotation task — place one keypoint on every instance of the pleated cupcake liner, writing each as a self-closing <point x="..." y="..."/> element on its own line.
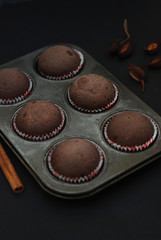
<point x="43" y="137"/>
<point x="68" y="75"/>
<point x="7" y="101"/>
<point x="76" y="180"/>
<point x="79" y="108"/>
<point x="136" y="148"/>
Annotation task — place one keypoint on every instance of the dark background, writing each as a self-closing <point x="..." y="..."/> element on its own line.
<point x="130" y="209"/>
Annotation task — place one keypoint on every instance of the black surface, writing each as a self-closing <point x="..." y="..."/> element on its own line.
<point x="4" y="2"/>
<point x="129" y="209"/>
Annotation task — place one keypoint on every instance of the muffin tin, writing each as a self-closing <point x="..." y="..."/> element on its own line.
<point x="32" y="154"/>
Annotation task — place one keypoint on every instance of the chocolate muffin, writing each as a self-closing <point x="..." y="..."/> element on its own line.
<point x="39" y="120"/>
<point x="15" y="86"/>
<point x="92" y="93"/>
<point x="130" y="131"/>
<point x="75" y="160"/>
<point x="59" y="62"/>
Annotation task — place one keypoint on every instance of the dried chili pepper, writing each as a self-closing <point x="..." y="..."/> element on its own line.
<point x="114" y="46"/>
<point x="152" y="48"/>
<point x="138" y="74"/>
<point x="126" y="49"/>
<point x="155" y="63"/>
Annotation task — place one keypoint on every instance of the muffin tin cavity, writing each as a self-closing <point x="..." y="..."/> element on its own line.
<point x="34" y="119"/>
<point x="75" y="160"/>
<point x="34" y="140"/>
<point x="130" y="131"/>
<point x="59" y="62"/>
<point x="15" y="86"/>
<point x="98" y="110"/>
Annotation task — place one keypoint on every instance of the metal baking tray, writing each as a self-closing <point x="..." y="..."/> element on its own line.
<point x="117" y="164"/>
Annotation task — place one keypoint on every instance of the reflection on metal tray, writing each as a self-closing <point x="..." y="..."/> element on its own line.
<point x="32" y="154"/>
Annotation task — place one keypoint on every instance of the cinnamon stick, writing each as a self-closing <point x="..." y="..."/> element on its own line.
<point x="9" y="172"/>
